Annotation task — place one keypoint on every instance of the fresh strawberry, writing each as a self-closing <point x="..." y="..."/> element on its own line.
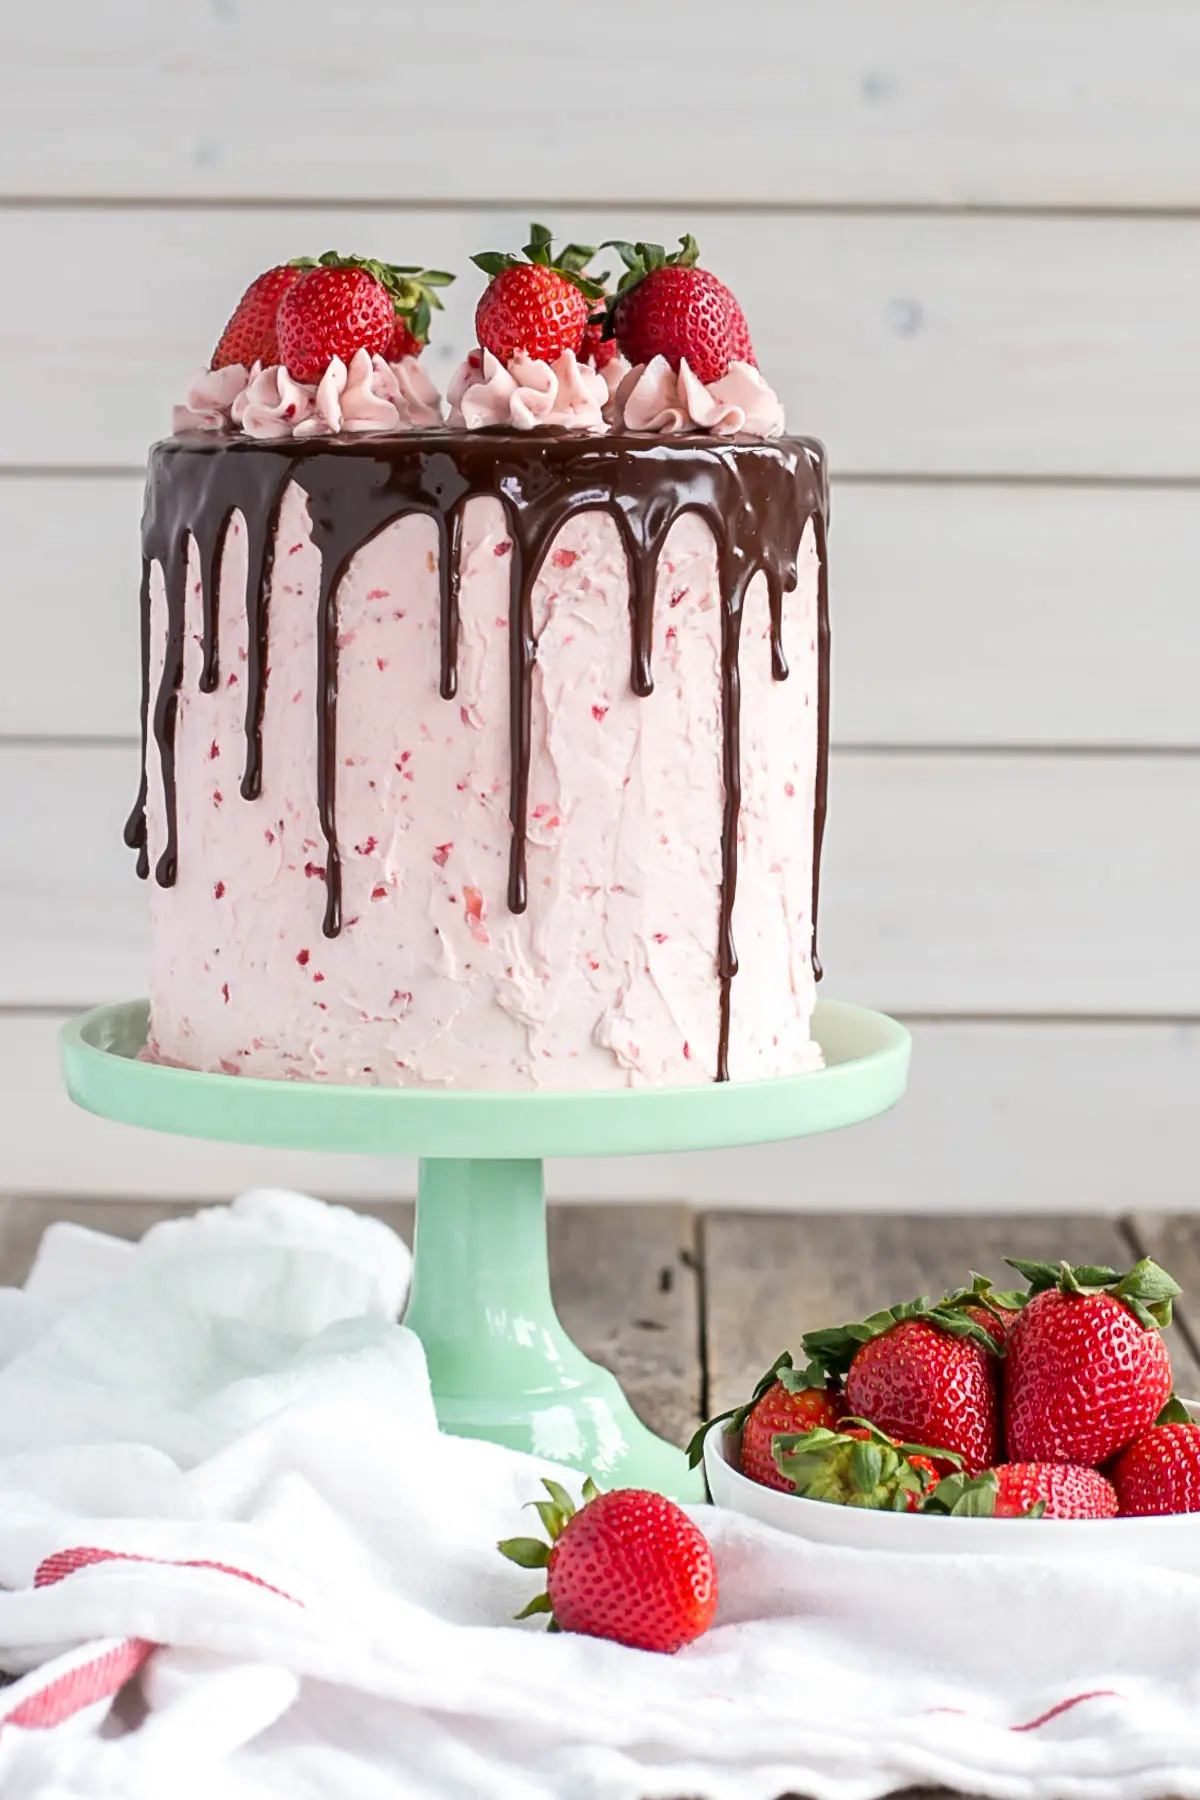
<point x="785" y="1399"/>
<point x="539" y="307"/>
<point x="1033" y="1490"/>
<point x="628" y="1566"/>
<point x="402" y="343"/>
<point x="1087" y="1371"/>
<point x="920" y="1371"/>
<point x="250" y="335"/>
<point x="666" y="306"/>
<point x="594" y="347"/>
<point x="858" y="1465"/>
<point x="780" y="1410"/>
<point x="415" y="300"/>
<point x="996" y="1312"/>
<point x="1160" y="1471"/>
<point x="740" y="347"/>
<point x="349" y="303"/>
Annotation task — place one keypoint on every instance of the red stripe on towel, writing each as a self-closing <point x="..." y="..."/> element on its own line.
<point x="1065" y="1706"/>
<point x="1043" y="1718"/>
<point x="98" y="1679"/>
<point x="66" y="1562"/>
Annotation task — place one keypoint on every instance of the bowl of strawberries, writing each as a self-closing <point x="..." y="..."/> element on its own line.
<point x="1036" y="1422"/>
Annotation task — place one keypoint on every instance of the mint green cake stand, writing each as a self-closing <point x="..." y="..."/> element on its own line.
<point x="501" y="1365"/>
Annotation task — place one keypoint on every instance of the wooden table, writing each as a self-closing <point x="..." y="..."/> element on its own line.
<point x="688" y="1308"/>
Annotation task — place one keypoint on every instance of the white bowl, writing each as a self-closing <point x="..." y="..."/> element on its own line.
<point x="1169" y="1542"/>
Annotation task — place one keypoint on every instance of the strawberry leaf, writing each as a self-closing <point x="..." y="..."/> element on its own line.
<point x="982" y="1293"/>
<point x="527" y="1553"/>
<point x="640" y="260"/>
<point x="628" y="253"/>
<point x="1039" y="1275"/>
<point x="836" y="1347"/>
<point x="1147" y="1290"/>
<point x="539" y="1604"/>
<point x="407" y="285"/>
<point x="538" y="248"/>
<point x="962" y="1496"/>
<point x="560" y="1496"/>
<point x="735" y="1417"/>
<point x="576" y="257"/>
<point x="866" y="1466"/>
<point x="551" y="1517"/>
<point x="799" y="1381"/>
<point x="1174" y="1413"/>
<point x="845" y="1468"/>
<point x="494" y="262"/>
<point x="540" y="252"/>
<point x="591" y="290"/>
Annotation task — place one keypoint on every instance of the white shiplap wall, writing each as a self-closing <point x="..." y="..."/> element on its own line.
<point x="967" y="236"/>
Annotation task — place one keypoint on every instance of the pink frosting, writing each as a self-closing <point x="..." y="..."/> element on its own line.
<point x="370" y="395"/>
<point x="609" y="978"/>
<point x="612" y="375"/>
<point x="527" y="393"/>
<point x="655" y="397"/>
<point x="210" y="397"/>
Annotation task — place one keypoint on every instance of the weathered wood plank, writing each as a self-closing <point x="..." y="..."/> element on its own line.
<point x="964" y="883"/>
<point x="1023" y="346"/>
<point x="770" y="1276"/>
<point x="1066" y="102"/>
<point x="1022" y="586"/>
<point x="1174" y="1241"/>
<point x="625" y="1286"/>
<point x="25" y="1217"/>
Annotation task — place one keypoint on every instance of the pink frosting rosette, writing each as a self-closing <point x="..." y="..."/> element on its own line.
<point x="266" y="402"/>
<point x="656" y="397"/>
<point x="528" y="393"/>
<point x="210" y="398"/>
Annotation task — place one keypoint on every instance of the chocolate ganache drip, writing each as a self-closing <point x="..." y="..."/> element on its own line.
<point x="757" y="498"/>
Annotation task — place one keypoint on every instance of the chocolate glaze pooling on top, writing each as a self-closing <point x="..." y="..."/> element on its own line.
<point x="757" y="497"/>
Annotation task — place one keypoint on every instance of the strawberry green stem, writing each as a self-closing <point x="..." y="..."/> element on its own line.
<point x="1146" y="1289"/>
<point x="570" y="262"/>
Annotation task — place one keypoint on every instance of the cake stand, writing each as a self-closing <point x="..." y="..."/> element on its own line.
<point x="500" y="1363"/>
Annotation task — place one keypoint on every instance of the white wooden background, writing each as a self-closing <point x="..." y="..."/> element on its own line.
<point x="967" y="236"/>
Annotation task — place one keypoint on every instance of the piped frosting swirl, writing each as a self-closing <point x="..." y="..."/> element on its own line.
<point x="656" y="397"/>
<point x="266" y="402"/>
<point x="527" y="394"/>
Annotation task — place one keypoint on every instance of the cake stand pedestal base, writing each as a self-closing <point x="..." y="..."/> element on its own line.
<point x="500" y="1364"/>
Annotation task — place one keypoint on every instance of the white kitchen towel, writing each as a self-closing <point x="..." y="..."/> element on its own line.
<point x="239" y="1560"/>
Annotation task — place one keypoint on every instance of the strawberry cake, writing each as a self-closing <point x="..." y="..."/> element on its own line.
<point x="477" y="733"/>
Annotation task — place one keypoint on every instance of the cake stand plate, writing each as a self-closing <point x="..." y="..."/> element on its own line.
<point x="500" y="1364"/>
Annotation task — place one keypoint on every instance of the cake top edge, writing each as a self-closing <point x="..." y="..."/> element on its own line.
<point x="503" y="439"/>
<point x="330" y="348"/>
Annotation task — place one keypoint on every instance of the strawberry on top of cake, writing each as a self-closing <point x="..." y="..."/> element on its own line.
<point x="315" y="347"/>
<point x="668" y="351"/>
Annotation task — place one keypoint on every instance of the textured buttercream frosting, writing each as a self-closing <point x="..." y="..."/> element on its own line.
<point x="267" y="402"/>
<point x="527" y="393"/>
<point x="656" y="397"/>
<point x="461" y="898"/>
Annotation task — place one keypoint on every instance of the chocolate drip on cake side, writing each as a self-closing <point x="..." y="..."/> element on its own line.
<point x="757" y="498"/>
